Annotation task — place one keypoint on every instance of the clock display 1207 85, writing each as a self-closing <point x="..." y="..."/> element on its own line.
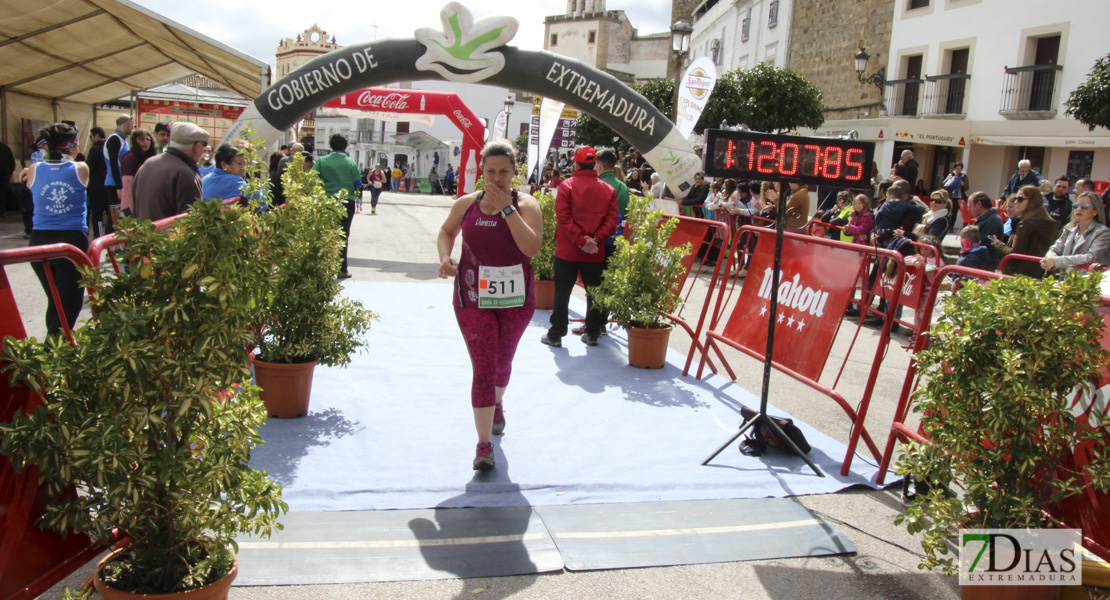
<point x="750" y="155"/>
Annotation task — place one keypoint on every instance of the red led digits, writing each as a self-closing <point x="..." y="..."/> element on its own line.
<point x="763" y="158"/>
<point x="857" y="165"/>
<point x="832" y="162"/>
<point x="793" y="168"/>
<point x="820" y="161"/>
<point x="816" y="159"/>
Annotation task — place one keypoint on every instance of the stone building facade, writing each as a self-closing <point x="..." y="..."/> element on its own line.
<point x="823" y="49"/>
<point x="606" y="40"/>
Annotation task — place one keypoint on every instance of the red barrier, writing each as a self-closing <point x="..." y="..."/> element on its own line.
<point x="31" y="561"/>
<point x="913" y="286"/>
<point x="818" y="278"/>
<point x="1018" y="257"/>
<point x="695" y="231"/>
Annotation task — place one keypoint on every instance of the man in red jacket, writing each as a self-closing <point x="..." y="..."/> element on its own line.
<point x="586" y="211"/>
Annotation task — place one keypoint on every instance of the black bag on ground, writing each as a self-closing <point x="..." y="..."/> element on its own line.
<point x="755" y="445"/>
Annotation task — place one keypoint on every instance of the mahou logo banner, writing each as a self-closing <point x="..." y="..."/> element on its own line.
<point x="815" y="285"/>
<point x="693" y="93"/>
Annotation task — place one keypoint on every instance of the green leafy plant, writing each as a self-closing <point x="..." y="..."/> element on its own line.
<point x="543" y="263"/>
<point x="764" y="98"/>
<point x="998" y="379"/>
<point x="150" y="417"/>
<point x="1089" y="103"/>
<point x="302" y="316"/>
<point x="640" y="286"/>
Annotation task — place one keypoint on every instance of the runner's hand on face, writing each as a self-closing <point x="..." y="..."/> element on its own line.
<point x="498" y="198"/>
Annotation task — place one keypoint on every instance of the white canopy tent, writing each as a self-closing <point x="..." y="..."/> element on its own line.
<point x="59" y="58"/>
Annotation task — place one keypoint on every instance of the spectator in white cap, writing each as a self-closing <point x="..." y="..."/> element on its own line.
<point x="168" y="183"/>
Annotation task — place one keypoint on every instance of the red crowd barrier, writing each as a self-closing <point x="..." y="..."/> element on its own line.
<point x="698" y="233"/>
<point x="31" y="560"/>
<point x="819" y="278"/>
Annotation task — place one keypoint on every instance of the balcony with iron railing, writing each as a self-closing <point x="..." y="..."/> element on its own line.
<point x="902" y="97"/>
<point x="1030" y="92"/>
<point x="946" y="96"/>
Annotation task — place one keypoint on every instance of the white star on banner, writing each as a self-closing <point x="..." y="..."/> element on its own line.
<point x="781" y="317"/>
<point x="790" y="322"/>
<point x="801" y="324"/>
<point x="762" y="311"/>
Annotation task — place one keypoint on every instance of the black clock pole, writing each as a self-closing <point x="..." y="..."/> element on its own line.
<point x="761" y="420"/>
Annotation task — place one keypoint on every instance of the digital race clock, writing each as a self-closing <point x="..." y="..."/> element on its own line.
<point x="749" y="155"/>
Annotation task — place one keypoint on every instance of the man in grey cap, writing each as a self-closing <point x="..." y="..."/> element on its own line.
<point x="168" y="183"/>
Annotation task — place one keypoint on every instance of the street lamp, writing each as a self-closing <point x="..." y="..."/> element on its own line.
<point x="509" y="103"/>
<point x="877" y="78"/>
<point x="680" y="44"/>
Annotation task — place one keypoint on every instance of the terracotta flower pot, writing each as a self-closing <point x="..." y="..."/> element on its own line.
<point x="216" y="590"/>
<point x="647" y="348"/>
<point x="285" y="388"/>
<point x="545" y="294"/>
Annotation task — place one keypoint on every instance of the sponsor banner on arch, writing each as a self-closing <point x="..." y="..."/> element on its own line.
<point x="815" y="285"/>
<point x="475" y="51"/>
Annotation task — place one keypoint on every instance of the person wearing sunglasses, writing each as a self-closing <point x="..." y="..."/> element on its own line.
<point x="1034" y="234"/>
<point x="1084" y="241"/>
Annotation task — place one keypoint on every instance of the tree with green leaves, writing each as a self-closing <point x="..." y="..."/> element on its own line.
<point x="1090" y="102"/>
<point x="764" y="98"/>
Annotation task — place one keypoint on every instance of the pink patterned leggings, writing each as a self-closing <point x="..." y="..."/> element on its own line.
<point x="491" y="336"/>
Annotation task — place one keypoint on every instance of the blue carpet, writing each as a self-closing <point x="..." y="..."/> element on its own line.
<point x="395" y="430"/>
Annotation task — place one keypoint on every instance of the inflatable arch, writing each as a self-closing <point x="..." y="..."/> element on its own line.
<point x="406" y="101"/>
<point x="466" y="51"/>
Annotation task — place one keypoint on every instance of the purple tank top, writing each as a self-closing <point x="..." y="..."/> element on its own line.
<point x="487" y="241"/>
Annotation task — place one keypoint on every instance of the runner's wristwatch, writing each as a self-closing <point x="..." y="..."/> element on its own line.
<point x="510" y="209"/>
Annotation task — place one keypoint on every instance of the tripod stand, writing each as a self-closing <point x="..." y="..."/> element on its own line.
<point x="761" y="420"/>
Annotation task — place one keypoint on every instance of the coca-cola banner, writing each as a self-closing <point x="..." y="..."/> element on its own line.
<point x="472" y="51"/>
<point x="815" y="285"/>
<point x="419" y="102"/>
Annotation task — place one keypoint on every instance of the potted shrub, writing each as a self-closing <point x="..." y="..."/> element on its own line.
<point x="543" y="263"/>
<point x="150" y="417"/>
<point x="1004" y="364"/>
<point x="302" y="318"/>
<point x="641" y="285"/>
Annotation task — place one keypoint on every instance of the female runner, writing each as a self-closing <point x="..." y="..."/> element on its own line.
<point x="493" y="292"/>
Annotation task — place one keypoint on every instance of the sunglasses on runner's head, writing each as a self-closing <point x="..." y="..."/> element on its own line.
<point x="1084" y="205"/>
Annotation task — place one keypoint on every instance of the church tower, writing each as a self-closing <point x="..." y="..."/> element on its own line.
<point x="577" y="8"/>
<point x="310" y="43"/>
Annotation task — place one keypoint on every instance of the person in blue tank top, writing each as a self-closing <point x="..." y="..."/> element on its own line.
<point x="58" y="185"/>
